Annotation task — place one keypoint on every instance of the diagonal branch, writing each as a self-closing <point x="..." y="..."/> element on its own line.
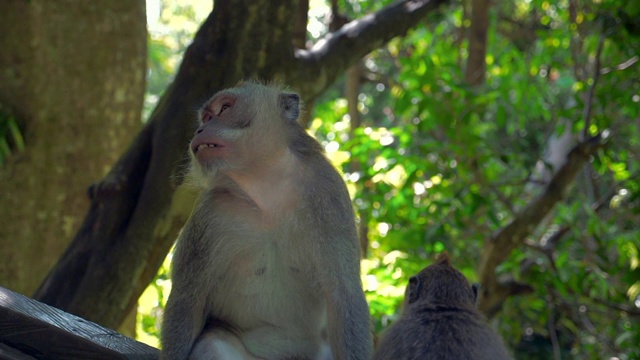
<point x="338" y="50"/>
<point x="498" y="248"/>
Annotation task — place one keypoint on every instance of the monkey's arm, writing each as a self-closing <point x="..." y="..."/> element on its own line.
<point x="181" y="326"/>
<point x="349" y="322"/>
<point x="185" y="313"/>
<point x="338" y="264"/>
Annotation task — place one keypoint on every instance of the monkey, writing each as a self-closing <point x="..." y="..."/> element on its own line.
<point x="268" y="264"/>
<point x="440" y="321"/>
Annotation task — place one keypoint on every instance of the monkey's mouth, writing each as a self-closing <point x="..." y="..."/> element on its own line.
<point x="207" y="145"/>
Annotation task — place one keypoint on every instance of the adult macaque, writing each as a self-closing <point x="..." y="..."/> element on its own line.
<point x="440" y="320"/>
<point x="268" y="265"/>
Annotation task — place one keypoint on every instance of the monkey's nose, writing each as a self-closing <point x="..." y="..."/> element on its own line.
<point x="198" y="131"/>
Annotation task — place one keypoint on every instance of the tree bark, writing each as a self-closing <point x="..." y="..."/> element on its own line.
<point x="137" y="210"/>
<point x="73" y="73"/>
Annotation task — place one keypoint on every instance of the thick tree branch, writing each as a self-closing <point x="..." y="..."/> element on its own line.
<point x="338" y="50"/>
<point x="300" y="29"/>
<point x="498" y="248"/>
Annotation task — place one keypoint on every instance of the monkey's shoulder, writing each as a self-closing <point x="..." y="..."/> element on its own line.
<point x="323" y="184"/>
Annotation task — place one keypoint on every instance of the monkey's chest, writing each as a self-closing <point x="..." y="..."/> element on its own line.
<point x="266" y="269"/>
<point x="266" y="278"/>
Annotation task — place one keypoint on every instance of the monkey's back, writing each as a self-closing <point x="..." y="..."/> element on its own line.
<point x="443" y="333"/>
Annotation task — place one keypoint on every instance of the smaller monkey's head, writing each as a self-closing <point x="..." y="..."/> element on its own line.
<point x="440" y="284"/>
<point x="242" y="128"/>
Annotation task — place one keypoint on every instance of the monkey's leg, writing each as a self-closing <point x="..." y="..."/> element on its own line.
<point x="220" y="344"/>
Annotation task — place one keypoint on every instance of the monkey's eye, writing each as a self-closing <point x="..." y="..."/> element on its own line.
<point x="224" y="107"/>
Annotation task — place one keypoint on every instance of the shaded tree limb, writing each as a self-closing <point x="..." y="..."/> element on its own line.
<point x="631" y="310"/>
<point x="499" y="246"/>
<point x="477" y="35"/>
<point x="138" y="209"/>
<point x="299" y="38"/>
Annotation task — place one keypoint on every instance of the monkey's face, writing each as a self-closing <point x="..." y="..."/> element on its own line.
<point x="240" y="128"/>
<point x="221" y="126"/>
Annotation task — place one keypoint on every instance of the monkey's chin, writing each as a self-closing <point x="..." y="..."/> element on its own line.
<point x="211" y="167"/>
<point x="206" y="174"/>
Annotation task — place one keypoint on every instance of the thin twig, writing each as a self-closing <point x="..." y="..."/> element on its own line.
<point x="592" y="89"/>
<point x="621" y="66"/>
<point x="631" y="311"/>
<point x="575" y="44"/>
<point x="553" y="335"/>
<point x="604" y="200"/>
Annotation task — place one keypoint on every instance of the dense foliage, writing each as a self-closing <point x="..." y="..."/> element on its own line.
<point x="436" y="164"/>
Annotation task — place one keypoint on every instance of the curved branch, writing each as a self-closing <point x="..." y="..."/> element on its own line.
<point x="338" y="50"/>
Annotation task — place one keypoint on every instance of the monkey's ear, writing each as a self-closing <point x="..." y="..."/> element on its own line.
<point x="414" y="289"/>
<point x="290" y="104"/>
<point x="475" y="287"/>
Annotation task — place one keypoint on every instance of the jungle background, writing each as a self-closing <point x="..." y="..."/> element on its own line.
<point x="505" y="133"/>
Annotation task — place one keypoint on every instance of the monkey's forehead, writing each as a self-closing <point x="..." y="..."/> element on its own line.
<point x="259" y="86"/>
<point x="236" y="93"/>
<point x="248" y="89"/>
<point x="254" y="93"/>
<point x="226" y="92"/>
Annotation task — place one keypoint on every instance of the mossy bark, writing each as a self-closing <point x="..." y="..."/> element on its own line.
<point x="73" y="74"/>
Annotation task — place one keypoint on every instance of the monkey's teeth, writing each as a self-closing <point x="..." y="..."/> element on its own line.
<point x="202" y="146"/>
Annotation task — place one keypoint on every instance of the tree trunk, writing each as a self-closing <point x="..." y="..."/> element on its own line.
<point x="138" y="208"/>
<point x="73" y="73"/>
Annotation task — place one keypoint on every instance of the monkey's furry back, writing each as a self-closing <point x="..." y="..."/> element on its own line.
<point x="441" y="333"/>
